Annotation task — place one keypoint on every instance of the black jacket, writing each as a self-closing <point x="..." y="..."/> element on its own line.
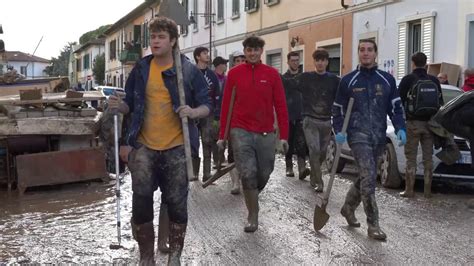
<point x="294" y="100"/>
<point x="408" y="81"/>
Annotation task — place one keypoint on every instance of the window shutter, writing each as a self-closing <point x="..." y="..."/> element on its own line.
<point x="427" y="36"/>
<point x="275" y="61"/>
<point x="402" y="49"/>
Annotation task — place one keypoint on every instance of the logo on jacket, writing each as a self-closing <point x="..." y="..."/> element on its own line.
<point x="263" y="81"/>
<point x="358" y="89"/>
<point x="378" y="90"/>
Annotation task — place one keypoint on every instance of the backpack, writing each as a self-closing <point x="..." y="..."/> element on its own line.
<point x="423" y="98"/>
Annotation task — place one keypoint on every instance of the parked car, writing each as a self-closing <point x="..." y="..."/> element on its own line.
<point x="106" y="91"/>
<point x="392" y="168"/>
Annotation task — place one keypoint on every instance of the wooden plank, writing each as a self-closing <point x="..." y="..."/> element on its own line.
<point x="60" y="167"/>
<point x="52" y="98"/>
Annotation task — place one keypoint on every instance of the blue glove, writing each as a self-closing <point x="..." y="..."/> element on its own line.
<point x="401" y="137"/>
<point x="340" y="138"/>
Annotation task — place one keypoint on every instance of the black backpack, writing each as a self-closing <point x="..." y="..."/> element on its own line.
<point x="423" y="98"/>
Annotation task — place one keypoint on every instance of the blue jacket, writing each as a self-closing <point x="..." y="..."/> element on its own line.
<point x="375" y="96"/>
<point x="195" y="90"/>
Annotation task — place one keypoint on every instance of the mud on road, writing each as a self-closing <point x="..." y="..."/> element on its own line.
<point x="76" y="224"/>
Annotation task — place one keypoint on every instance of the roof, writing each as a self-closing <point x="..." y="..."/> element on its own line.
<point x="23" y="57"/>
<point x="100" y="41"/>
<point x="132" y="15"/>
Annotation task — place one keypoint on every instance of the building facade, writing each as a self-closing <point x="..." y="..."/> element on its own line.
<point x="85" y="58"/>
<point x="29" y="65"/>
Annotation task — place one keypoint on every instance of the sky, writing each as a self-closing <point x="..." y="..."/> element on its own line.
<point x="59" y="22"/>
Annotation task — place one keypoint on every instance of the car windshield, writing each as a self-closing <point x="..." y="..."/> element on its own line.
<point x="448" y="94"/>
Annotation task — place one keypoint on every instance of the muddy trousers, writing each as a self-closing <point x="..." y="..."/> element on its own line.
<point x="296" y="144"/>
<point x="363" y="189"/>
<point x="418" y="133"/>
<point x="317" y="134"/>
<point x="151" y="169"/>
<point x="206" y="132"/>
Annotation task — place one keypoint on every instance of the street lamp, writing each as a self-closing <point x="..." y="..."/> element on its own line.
<point x="211" y="20"/>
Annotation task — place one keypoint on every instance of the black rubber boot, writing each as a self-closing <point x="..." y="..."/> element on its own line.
<point x="370" y="206"/>
<point x="303" y="171"/>
<point x="251" y="201"/>
<point x="234" y="176"/>
<point x="289" y="168"/>
<point x="349" y="214"/>
<point x="177" y="234"/>
<point x="196" y="166"/>
<point x="350" y="205"/>
<point x="144" y="234"/>
<point x="163" y="229"/>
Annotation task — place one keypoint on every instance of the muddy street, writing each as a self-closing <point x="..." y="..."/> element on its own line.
<point x="76" y="224"/>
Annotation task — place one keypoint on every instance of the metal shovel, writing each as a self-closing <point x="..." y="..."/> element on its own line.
<point x="321" y="217"/>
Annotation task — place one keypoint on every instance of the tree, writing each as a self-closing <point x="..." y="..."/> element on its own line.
<point x="94" y="34"/>
<point x="59" y="66"/>
<point x="99" y="69"/>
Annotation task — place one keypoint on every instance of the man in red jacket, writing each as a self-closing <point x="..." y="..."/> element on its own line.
<point x="258" y="92"/>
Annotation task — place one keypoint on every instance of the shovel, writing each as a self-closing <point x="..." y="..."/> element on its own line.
<point x="222" y="170"/>
<point x="321" y="217"/>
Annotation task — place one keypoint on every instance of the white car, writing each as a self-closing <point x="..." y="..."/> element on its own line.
<point x="392" y="168"/>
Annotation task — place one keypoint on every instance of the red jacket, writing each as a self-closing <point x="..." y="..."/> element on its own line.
<point x="259" y="91"/>
<point x="468" y="84"/>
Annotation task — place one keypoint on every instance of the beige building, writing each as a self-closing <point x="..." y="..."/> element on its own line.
<point x="85" y="57"/>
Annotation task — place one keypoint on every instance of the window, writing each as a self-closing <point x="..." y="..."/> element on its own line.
<point x="113" y="50"/>
<point x="78" y="65"/>
<point x="235" y="8"/>
<point x="274" y="59"/>
<point x="251" y="5"/>
<point x="207" y="10"/>
<point x="334" y="65"/>
<point x="87" y="61"/>
<point x="415" y="34"/>
<point x="271" y="2"/>
<point x="220" y="10"/>
<point x="24" y="71"/>
<point x="195" y="8"/>
<point x="184" y="28"/>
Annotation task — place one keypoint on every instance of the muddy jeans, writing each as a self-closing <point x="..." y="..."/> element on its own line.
<point x="151" y="169"/>
<point x="254" y="155"/>
<point x="317" y="134"/>
<point x="418" y="132"/>
<point x="296" y="141"/>
<point x="206" y="131"/>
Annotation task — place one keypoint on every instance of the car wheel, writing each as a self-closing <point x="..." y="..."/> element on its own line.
<point x="388" y="169"/>
<point x="331" y="154"/>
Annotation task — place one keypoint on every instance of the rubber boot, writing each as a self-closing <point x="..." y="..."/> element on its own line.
<point x="428" y="180"/>
<point x="196" y="166"/>
<point x="206" y="167"/>
<point x="351" y="203"/>
<point x="251" y="201"/>
<point x="234" y="177"/>
<point x="289" y="168"/>
<point x="303" y="171"/>
<point x="316" y="180"/>
<point x="144" y="234"/>
<point x="163" y="229"/>
<point x="177" y="234"/>
<point x="370" y="207"/>
<point x="409" y="184"/>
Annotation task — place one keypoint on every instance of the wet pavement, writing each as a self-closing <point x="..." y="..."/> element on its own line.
<point x="75" y="223"/>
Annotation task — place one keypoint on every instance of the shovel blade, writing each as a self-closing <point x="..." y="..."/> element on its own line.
<point x="219" y="173"/>
<point x="320" y="218"/>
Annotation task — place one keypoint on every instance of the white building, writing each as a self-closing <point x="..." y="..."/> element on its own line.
<point x="85" y="58"/>
<point x="438" y="28"/>
<point x="29" y="65"/>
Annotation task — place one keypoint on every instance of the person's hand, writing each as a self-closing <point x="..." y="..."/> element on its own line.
<point x="341" y="138"/>
<point x="401" y="137"/>
<point x="186" y="111"/>
<point x="221" y="144"/>
<point x="114" y="102"/>
<point x="123" y="153"/>
<point x="285" y="146"/>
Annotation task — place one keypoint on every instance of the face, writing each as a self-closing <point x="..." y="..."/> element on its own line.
<point x="442" y="78"/>
<point x="321" y="65"/>
<point x="367" y="54"/>
<point x="160" y="43"/>
<point x="253" y="55"/>
<point x="293" y="63"/>
<point x="239" y="60"/>
<point x="204" y="57"/>
<point x="221" y="68"/>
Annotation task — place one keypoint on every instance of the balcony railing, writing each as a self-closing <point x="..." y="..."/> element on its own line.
<point x="130" y="55"/>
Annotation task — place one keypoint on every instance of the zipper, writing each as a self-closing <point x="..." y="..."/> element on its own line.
<point x="253" y="76"/>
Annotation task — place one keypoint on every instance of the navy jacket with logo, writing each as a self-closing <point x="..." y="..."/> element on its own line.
<point x="375" y="96"/>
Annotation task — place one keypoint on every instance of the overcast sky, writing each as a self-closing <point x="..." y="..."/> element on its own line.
<point x="58" y="21"/>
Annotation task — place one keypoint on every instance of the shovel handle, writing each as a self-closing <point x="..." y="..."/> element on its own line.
<point x="338" y="152"/>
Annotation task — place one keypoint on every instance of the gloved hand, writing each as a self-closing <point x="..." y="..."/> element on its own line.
<point x="401" y="137"/>
<point x="221" y="144"/>
<point x="285" y="146"/>
<point x="341" y="138"/>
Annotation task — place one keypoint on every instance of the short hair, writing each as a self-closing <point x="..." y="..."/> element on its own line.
<point x="197" y="52"/>
<point x="419" y="59"/>
<point x="292" y="53"/>
<point x="165" y="24"/>
<point x="320" y="54"/>
<point x="253" y="42"/>
<point x="368" y="41"/>
<point x="468" y="72"/>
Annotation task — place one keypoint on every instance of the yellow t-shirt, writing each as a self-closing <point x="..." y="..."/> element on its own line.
<point x="161" y="129"/>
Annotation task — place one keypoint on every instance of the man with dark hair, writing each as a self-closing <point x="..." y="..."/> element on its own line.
<point x="154" y="136"/>
<point x="375" y="96"/>
<point x="318" y="89"/>
<point x="418" y="131"/>
<point x="201" y="55"/>
<point x="258" y="93"/>
<point x="294" y="103"/>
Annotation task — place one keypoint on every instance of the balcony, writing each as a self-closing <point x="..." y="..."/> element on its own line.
<point x="130" y="55"/>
